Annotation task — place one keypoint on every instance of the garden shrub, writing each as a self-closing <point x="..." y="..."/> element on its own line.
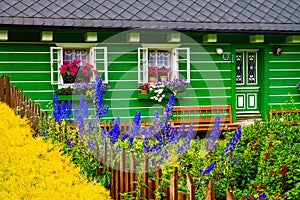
<point x="269" y="160"/>
<point x="33" y="169"/>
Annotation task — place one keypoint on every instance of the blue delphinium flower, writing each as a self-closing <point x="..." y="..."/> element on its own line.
<point x="56" y="109"/>
<point x="69" y="109"/>
<point x="63" y="109"/>
<point x="208" y="169"/>
<point x="118" y="148"/>
<point x="210" y="144"/>
<point x="91" y="144"/>
<point x="98" y="99"/>
<point x="69" y="142"/>
<point x="231" y="145"/>
<point x="262" y="195"/>
<point x="187" y="140"/>
<point x="79" y="120"/>
<point x="115" y="131"/>
<point x="169" y="108"/>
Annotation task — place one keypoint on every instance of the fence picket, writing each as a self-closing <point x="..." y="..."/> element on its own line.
<point x="190" y="187"/>
<point x="209" y="192"/>
<point x="174" y="184"/>
<point x="132" y="172"/>
<point x="145" y="176"/>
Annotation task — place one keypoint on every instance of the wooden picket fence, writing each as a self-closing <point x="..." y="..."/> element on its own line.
<point x="17" y="100"/>
<point x="124" y="173"/>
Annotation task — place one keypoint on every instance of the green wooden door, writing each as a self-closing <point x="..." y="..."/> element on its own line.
<point x="247" y="87"/>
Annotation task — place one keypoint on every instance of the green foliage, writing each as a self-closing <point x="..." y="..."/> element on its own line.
<point x="269" y="160"/>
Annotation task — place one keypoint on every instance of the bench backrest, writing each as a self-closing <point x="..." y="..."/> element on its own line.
<point x="201" y="114"/>
<point x="280" y="112"/>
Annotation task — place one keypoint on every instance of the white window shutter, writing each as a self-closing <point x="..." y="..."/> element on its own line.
<point x="182" y="56"/>
<point x="99" y="60"/>
<point x="56" y="60"/>
<point x="142" y="65"/>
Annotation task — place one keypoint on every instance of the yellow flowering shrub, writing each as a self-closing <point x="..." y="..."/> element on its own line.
<point x="33" y="169"/>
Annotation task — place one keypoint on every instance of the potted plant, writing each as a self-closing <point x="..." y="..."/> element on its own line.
<point x="144" y="88"/>
<point x="86" y="73"/>
<point x="73" y="71"/>
<point x="176" y="85"/>
<point x="163" y="74"/>
<point x="87" y="88"/>
<point x="69" y="71"/>
<point x="152" y="71"/>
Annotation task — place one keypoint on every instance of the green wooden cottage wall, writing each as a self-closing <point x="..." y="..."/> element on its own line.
<point x="27" y="61"/>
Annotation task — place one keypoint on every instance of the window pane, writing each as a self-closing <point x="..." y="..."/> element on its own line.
<point x="76" y="54"/>
<point x="159" y="65"/>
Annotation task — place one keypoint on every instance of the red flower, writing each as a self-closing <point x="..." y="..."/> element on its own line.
<point x="270" y="144"/>
<point x="153" y="70"/>
<point x="266" y="156"/>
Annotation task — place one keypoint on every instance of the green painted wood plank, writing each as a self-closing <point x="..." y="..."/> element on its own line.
<point x="283" y="66"/>
<point x="284" y="90"/>
<point x="25" y="66"/>
<point x="33" y="86"/>
<point x="43" y="76"/>
<point x="283" y="82"/>
<point x="285" y="74"/>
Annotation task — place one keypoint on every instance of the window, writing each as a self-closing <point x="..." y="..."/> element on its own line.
<point x="159" y="65"/>
<point x="163" y="64"/>
<point x="97" y="56"/>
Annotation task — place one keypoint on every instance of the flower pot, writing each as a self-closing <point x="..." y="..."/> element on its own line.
<point x="69" y="80"/>
<point x="143" y="91"/>
<point x="152" y="79"/>
<point x="163" y="78"/>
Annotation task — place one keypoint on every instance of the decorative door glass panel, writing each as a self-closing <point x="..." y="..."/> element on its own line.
<point x="251" y="71"/>
<point x="239" y="68"/>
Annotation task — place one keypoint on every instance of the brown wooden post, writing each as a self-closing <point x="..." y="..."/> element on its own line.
<point x="151" y="188"/>
<point x="174" y="184"/>
<point x="2" y="88"/>
<point x="157" y="176"/>
<point x="145" y="176"/>
<point x="229" y="194"/>
<point x="209" y="192"/>
<point x="167" y="193"/>
<point x="181" y="196"/>
<point x="127" y="181"/>
<point x="132" y="172"/>
<point x="7" y="91"/>
<point x="117" y="181"/>
<point x="122" y="170"/>
<point x="190" y="187"/>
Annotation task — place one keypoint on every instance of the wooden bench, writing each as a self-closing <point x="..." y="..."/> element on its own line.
<point x="202" y="117"/>
<point x="278" y="113"/>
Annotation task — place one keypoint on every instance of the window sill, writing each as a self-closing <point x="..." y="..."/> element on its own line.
<point x="72" y="98"/>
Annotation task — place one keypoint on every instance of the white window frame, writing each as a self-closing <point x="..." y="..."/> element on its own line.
<point x="143" y="61"/>
<point x="57" y="60"/>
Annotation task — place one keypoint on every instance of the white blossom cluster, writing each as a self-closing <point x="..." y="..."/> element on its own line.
<point x="157" y="91"/>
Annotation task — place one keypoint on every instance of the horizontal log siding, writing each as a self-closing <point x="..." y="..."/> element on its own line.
<point x="284" y="73"/>
<point x="28" y="66"/>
